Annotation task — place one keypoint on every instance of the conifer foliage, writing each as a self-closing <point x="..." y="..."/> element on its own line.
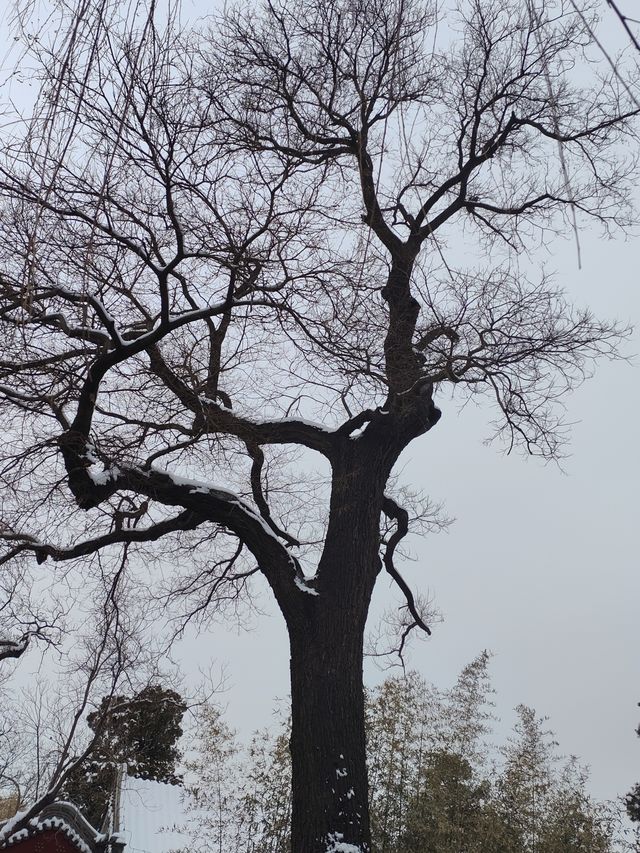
<point x="139" y="732"/>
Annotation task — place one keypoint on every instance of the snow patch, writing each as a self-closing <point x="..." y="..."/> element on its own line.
<point x="341" y="772"/>
<point x="7" y="826"/>
<point x="355" y="435"/>
<point x="101" y="478"/>
<point x="197" y="486"/>
<point x="303" y="421"/>
<point x="337" y="845"/>
<point x="152" y="817"/>
<point x="299" y="582"/>
<point x="200" y="487"/>
<point x="247" y="415"/>
<point x="13" y="647"/>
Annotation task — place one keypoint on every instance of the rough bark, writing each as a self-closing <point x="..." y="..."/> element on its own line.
<point x="329" y="773"/>
<point x="330" y="794"/>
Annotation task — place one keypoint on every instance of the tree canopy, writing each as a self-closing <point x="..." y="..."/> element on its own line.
<point x="224" y="262"/>
<point x="633" y="797"/>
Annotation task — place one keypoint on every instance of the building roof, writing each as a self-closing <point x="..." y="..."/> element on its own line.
<point x="64" y="821"/>
<point x="147" y="817"/>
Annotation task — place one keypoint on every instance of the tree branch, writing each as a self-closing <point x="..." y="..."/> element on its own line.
<point x="13" y="648"/>
<point x="187" y="520"/>
<point x="257" y="457"/>
<point x="395" y="512"/>
<point x="212" y="418"/>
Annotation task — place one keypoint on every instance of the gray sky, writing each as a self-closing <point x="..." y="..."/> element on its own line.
<point x="540" y="566"/>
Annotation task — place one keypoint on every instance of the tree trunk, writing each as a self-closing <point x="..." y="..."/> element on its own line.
<point x="330" y="788"/>
<point x="330" y="793"/>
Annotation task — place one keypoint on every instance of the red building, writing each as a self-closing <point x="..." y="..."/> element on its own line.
<point x="44" y="841"/>
<point x="60" y="828"/>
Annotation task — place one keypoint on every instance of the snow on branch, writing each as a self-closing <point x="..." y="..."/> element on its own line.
<point x="13" y="648"/>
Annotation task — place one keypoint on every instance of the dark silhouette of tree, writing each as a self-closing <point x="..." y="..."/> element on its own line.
<point x="224" y="252"/>
<point x="632" y="802"/>
<point x="139" y="733"/>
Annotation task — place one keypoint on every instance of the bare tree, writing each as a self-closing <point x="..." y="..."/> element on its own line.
<point x="46" y="739"/>
<point x="224" y="258"/>
<point x="629" y="23"/>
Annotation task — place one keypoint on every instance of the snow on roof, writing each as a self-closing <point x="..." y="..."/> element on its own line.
<point x="152" y="817"/>
<point x="59" y="816"/>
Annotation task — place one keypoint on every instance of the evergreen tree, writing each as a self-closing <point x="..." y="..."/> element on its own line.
<point x="140" y="732"/>
<point x="436" y="784"/>
<point x="632" y="802"/>
<point x="447" y="815"/>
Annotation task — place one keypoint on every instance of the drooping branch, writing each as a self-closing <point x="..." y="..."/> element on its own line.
<point x="401" y="517"/>
<point x="257" y="456"/>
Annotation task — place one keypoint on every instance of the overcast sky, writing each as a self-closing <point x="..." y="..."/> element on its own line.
<point x="541" y="564"/>
<point x="540" y="567"/>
